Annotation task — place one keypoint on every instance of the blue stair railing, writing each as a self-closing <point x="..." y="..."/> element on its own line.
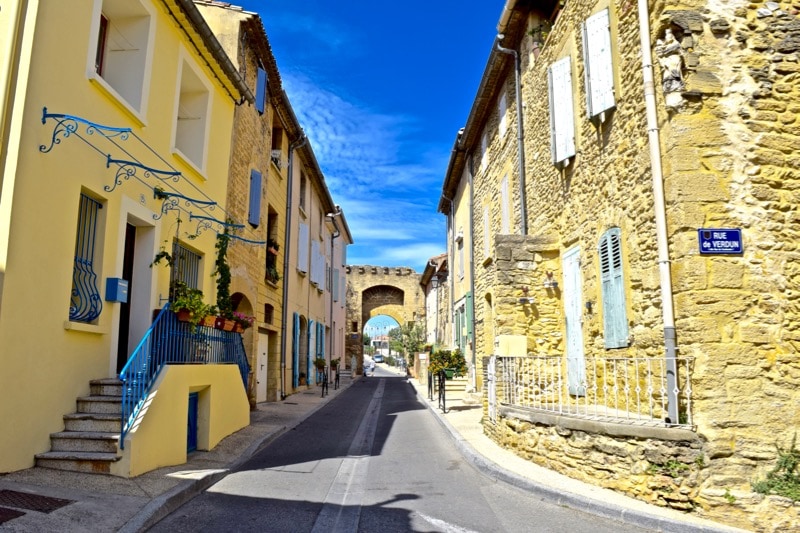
<point x="169" y="341"/>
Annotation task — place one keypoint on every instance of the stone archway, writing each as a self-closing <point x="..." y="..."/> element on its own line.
<point x="374" y="291"/>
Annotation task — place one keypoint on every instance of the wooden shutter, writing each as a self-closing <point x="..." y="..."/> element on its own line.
<point x="469" y="308"/>
<point x="502" y="108"/>
<point x="562" y="121"/>
<point x="615" y="319"/>
<point x="599" y="65"/>
<point x="486" y="230"/>
<point x="254" y="215"/>
<point x="261" y="90"/>
<point x="505" y="215"/>
<point x="302" y="248"/>
<point x="315" y="262"/>
<point x="335" y="281"/>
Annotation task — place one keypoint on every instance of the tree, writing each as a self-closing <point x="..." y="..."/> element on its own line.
<point x="407" y="339"/>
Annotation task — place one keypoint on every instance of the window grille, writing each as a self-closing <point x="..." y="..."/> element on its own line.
<point x="186" y="266"/>
<point x="85" y="302"/>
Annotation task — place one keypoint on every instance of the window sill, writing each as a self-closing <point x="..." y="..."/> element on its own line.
<point x="302" y="211"/>
<point x="189" y="163"/>
<point x="273" y="284"/>
<point x="85" y="328"/>
<point x="97" y="80"/>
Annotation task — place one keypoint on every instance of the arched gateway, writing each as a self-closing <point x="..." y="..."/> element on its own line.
<point x="374" y="291"/>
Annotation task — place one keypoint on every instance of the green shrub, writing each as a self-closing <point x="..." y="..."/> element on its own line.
<point x="783" y="480"/>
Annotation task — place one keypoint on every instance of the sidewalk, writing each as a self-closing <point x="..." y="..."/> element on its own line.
<point x="97" y="503"/>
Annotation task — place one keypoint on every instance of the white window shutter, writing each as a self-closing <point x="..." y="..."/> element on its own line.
<point x="562" y="121"/>
<point x="599" y="65"/>
<point x="302" y="249"/>
<point x="335" y="288"/>
<point x="484" y="149"/>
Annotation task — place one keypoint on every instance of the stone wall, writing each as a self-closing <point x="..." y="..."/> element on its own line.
<point x="377" y="290"/>
<point x="729" y="140"/>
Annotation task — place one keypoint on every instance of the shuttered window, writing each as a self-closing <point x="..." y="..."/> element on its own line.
<point x="598" y="61"/>
<point x="562" y="121"/>
<point x="254" y="214"/>
<point x="261" y="90"/>
<point x="615" y="319"/>
<point x="335" y="281"/>
<point x="302" y="248"/>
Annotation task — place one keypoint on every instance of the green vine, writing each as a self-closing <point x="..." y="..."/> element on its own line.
<point x="223" y="272"/>
<point x="783" y="480"/>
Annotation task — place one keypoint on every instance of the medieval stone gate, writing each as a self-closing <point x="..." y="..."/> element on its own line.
<point x="374" y="291"/>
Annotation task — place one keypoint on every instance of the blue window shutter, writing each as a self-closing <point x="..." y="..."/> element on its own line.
<point x="309" y="362"/>
<point x="261" y="90"/>
<point x="254" y="217"/>
<point x="599" y="64"/>
<point x="615" y="320"/>
<point x="296" y="352"/>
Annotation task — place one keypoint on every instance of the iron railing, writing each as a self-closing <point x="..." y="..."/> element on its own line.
<point x="627" y="390"/>
<point x="169" y="341"/>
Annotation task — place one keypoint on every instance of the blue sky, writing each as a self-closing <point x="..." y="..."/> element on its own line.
<point x="381" y="89"/>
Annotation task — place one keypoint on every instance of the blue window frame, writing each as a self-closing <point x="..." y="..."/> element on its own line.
<point x="85" y="303"/>
<point x="615" y="316"/>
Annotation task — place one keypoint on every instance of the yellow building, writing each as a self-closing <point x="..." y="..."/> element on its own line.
<point x="629" y="171"/>
<point x="116" y="123"/>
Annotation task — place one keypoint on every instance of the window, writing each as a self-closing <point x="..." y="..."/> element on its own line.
<point x="502" y="107"/>
<point x="121" y="53"/>
<point x="615" y="319"/>
<point x="562" y="123"/>
<point x="271" y="273"/>
<point x="185" y="265"/>
<point x="303" y="186"/>
<point x="302" y="248"/>
<point x="85" y="303"/>
<point x="460" y="245"/>
<point x="599" y="67"/>
<point x="261" y="90"/>
<point x="192" y="117"/>
<point x="277" y="147"/>
<point x="269" y="311"/>
<point x="254" y="214"/>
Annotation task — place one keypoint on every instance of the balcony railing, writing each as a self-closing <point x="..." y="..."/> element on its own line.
<point x="169" y="341"/>
<point x="627" y="390"/>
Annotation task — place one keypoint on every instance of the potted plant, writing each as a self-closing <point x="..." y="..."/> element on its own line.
<point x="242" y="320"/>
<point x="272" y="274"/>
<point x="320" y="363"/>
<point x="273" y="246"/>
<point x="335" y="363"/>
<point x="189" y="306"/>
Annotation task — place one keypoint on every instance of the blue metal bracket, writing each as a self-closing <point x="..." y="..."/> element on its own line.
<point x="127" y="169"/>
<point x="249" y="241"/>
<point x="67" y="125"/>
<point x="171" y="201"/>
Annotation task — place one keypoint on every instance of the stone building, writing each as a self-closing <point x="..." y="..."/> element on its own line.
<point x="633" y="238"/>
<point x="374" y="291"/>
<point x="257" y="192"/>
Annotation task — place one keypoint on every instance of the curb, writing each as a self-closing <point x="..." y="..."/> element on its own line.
<point x="580" y="503"/>
<point x="162" y="506"/>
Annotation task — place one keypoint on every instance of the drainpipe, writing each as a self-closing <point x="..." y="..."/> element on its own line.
<point x="667" y="307"/>
<point x="523" y="216"/>
<point x="336" y="234"/>
<point x="450" y="263"/>
<point x="473" y="377"/>
<point x="300" y="142"/>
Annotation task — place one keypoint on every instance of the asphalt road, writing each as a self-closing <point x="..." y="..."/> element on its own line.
<point x="374" y="459"/>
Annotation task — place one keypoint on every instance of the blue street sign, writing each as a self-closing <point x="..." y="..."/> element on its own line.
<point x="719" y="240"/>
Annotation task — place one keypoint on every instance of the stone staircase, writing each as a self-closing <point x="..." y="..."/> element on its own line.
<point x="90" y="440"/>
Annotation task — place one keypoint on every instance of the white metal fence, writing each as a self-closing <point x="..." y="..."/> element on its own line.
<point x="628" y="390"/>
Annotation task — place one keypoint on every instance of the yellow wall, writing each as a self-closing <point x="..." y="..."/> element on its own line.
<point x="46" y="361"/>
<point x="158" y="437"/>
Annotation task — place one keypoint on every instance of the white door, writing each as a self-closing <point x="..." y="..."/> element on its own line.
<point x="576" y="364"/>
<point x="261" y="370"/>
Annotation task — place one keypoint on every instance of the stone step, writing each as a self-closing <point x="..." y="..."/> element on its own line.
<point x="105" y="387"/>
<point x="84" y="441"/>
<point x="100" y="404"/>
<point x="97" y="422"/>
<point x="88" y="462"/>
